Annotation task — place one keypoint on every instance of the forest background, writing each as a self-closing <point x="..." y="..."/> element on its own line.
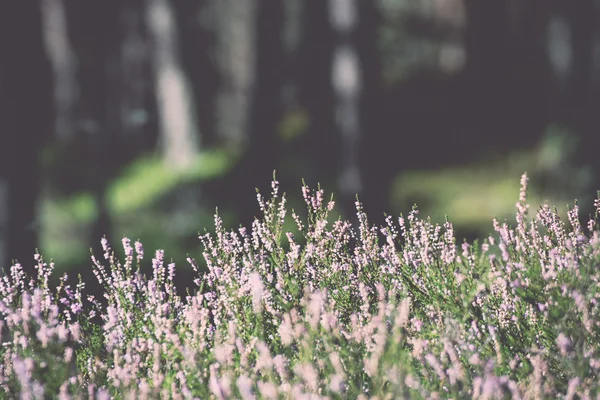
<point x="139" y="117"/>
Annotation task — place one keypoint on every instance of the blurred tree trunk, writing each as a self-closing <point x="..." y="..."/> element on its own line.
<point x="582" y="18"/>
<point x="96" y="36"/>
<point x="63" y="62"/>
<point x="176" y="108"/>
<point x="25" y="122"/>
<point x="266" y="109"/>
<point x="583" y="90"/>
<point x="486" y="43"/>
<point x="347" y="87"/>
<point x="571" y="41"/>
<point x="4" y="212"/>
<point x="486" y="71"/>
<point x="529" y="70"/>
<point x="293" y="13"/>
<point x="377" y="164"/>
<point x="265" y="112"/>
<point x="136" y="76"/>
<point x="506" y="73"/>
<point x="294" y="117"/>
<point x="196" y="29"/>
<point x="106" y="139"/>
<point x="321" y="145"/>
<point x="235" y="57"/>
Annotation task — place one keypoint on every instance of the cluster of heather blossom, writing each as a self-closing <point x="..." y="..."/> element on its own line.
<point x="331" y="310"/>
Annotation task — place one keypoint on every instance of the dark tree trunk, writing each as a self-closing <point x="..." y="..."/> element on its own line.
<point x="486" y="70"/>
<point x="583" y="91"/>
<point x="582" y="16"/>
<point x="138" y="95"/>
<point x="260" y="158"/>
<point x="377" y="168"/>
<point x="347" y="80"/>
<point x="266" y="108"/>
<point x="26" y="112"/>
<point x="321" y="147"/>
<point x="97" y="36"/>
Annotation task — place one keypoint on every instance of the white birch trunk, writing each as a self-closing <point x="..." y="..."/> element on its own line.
<point x="177" y="121"/>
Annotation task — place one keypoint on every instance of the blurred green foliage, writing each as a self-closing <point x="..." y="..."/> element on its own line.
<point x="134" y="201"/>
<point x="471" y="195"/>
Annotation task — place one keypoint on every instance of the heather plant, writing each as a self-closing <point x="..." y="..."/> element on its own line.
<point x="334" y="310"/>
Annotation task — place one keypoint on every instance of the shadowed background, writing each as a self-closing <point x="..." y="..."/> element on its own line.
<point x="138" y="118"/>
